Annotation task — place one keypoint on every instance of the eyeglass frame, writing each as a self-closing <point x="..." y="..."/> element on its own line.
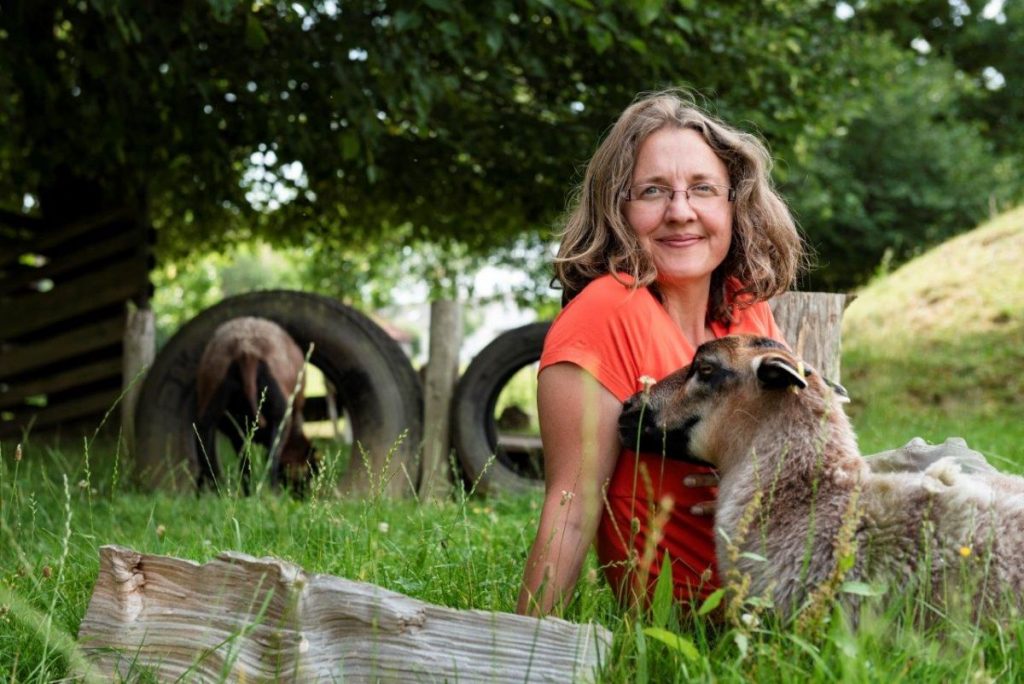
<point x="627" y="195"/>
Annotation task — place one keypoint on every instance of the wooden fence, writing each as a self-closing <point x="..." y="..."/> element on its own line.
<point x="63" y="295"/>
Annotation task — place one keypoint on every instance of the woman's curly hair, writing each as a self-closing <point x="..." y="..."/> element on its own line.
<point x="766" y="253"/>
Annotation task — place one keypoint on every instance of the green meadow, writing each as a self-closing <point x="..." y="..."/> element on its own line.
<point x="933" y="349"/>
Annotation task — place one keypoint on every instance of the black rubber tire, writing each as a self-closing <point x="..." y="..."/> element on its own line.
<point x="474" y="431"/>
<point x="376" y="384"/>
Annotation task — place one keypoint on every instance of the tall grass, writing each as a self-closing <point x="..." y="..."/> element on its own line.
<point x="58" y="508"/>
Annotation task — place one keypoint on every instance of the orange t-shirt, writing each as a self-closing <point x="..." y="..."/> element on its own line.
<point x="619" y="334"/>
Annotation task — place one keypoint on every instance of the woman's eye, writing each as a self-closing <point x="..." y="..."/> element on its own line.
<point x="652" y="191"/>
<point x="703" y="190"/>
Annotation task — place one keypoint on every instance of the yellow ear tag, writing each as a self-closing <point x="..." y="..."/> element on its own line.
<point x="799" y="369"/>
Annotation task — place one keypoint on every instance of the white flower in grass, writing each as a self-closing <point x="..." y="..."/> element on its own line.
<point x="646" y="381"/>
<point x="383" y="527"/>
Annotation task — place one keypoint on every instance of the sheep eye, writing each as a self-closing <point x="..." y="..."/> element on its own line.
<point x="705" y="370"/>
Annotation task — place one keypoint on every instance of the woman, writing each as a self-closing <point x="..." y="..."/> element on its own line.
<point x="677" y="238"/>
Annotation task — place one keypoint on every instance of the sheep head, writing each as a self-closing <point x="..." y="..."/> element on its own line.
<point x="737" y="392"/>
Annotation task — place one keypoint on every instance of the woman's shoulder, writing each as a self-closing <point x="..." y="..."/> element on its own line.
<point x="610" y="290"/>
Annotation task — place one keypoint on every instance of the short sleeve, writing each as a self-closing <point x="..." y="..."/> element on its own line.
<point x="605" y="330"/>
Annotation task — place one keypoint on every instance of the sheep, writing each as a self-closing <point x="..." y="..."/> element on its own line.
<point x="799" y="509"/>
<point x="246" y="373"/>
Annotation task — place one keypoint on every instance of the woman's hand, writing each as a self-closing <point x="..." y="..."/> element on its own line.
<point x="702" y="480"/>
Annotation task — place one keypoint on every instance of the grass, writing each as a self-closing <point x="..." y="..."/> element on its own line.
<point x="937" y="347"/>
<point x="934" y="349"/>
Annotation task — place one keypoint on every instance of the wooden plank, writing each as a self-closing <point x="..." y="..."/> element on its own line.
<point x="96" y="253"/>
<point x="58" y="235"/>
<point x="16" y="219"/>
<point x="441" y="376"/>
<point x="263" y="619"/>
<point x="46" y="237"/>
<point x="15" y="360"/>
<point x="15" y="393"/>
<point x="117" y="283"/>
<point x="812" y="324"/>
<point x="83" y="407"/>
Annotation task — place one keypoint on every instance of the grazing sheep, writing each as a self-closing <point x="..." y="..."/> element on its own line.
<point x="800" y="511"/>
<point x="246" y="374"/>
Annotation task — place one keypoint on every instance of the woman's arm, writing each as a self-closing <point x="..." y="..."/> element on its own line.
<point x="579" y="429"/>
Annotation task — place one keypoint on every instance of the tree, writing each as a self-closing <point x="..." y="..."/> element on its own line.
<point x="902" y="177"/>
<point x="319" y="120"/>
<point x="982" y="39"/>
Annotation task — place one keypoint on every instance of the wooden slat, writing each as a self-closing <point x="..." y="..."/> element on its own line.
<point x="47" y="238"/>
<point x="18" y="220"/>
<point x="84" y="407"/>
<point x="117" y="283"/>
<point x="68" y="379"/>
<point x="18" y="360"/>
<point x="95" y="253"/>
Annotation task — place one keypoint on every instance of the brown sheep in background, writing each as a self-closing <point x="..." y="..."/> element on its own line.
<point x="247" y="372"/>
<point x="800" y="511"/>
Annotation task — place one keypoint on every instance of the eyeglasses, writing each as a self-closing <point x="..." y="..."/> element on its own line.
<point x="699" y="195"/>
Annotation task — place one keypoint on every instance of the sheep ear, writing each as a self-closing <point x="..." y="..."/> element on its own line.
<point x="842" y="396"/>
<point x="775" y="372"/>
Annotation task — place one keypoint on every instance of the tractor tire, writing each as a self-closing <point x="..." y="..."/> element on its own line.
<point x="487" y="467"/>
<point x="375" y="381"/>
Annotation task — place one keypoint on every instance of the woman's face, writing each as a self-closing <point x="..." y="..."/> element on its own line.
<point x="686" y="238"/>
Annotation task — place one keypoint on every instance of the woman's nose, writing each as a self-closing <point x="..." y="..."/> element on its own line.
<point x="679" y="206"/>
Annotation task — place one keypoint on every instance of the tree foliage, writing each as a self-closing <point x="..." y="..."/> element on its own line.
<point x="898" y="179"/>
<point x="469" y="120"/>
<point x="329" y="123"/>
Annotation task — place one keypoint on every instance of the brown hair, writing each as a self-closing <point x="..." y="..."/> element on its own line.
<point x="766" y="252"/>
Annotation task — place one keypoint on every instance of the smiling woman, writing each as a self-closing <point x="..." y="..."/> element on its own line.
<point x="677" y="238"/>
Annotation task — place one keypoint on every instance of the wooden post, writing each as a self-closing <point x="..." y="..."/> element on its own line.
<point x="812" y="324"/>
<point x="442" y="373"/>
<point x="139" y="350"/>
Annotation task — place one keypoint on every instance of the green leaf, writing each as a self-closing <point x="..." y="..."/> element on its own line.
<point x="494" y="40"/>
<point x="754" y="556"/>
<point x="861" y="589"/>
<point x="350" y="145"/>
<point x="599" y="39"/>
<point x="846" y="562"/>
<point x="648" y="10"/>
<point x="674" y="641"/>
<point x="711" y="602"/>
<point x="440" y="5"/>
<point x="405" y="20"/>
<point x="661" y="603"/>
<point x="640" y="675"/>
<point x="255" y="36"/>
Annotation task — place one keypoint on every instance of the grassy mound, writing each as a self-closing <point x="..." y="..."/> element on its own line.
<point x="937" y="347"/>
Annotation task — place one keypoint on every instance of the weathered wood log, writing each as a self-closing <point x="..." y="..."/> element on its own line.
<point x="441" y="376"/>
<point x="262" y="619"/>
<point x="812" y="324"/>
